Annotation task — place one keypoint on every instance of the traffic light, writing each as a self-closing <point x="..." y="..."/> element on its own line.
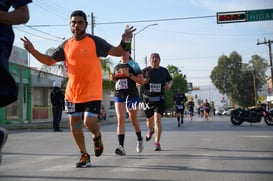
<point x="231" y="17"/>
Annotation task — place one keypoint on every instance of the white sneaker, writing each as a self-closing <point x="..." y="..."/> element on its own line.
<point x="139" y="146"/>
<point x="120" y="151"/>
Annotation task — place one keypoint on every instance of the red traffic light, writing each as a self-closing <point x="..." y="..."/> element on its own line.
<point x="231" y="17"/>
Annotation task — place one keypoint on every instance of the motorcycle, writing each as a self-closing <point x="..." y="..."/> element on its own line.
<point x="253" y="115"/>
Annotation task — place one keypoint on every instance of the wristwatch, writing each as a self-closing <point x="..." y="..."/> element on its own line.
<point x="130" y="75"/>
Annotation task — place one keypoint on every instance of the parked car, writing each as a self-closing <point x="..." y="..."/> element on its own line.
<point x="112" y="112"/>
<point x="227" y="112"/>
<point x="219" y="112"/>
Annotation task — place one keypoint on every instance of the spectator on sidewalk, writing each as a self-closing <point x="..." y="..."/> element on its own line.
<point x="57" y="101"/>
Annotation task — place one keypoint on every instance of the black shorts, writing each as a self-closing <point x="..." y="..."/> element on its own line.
<point x="181" y="111"/>
<point x="8" y="88"/>
<point x="207" y="110"/>
<point x="158" y="107"/>
<point x="90" y="107"/>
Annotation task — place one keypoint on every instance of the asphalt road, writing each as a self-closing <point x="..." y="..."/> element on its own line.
<point x="199" y="150"/>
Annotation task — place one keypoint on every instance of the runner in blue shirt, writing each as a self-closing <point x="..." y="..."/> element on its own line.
<point x="126" y="75"/>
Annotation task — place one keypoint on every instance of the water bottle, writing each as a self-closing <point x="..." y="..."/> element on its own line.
<point x="127" y="40"/>
<point x="127" y="30"/>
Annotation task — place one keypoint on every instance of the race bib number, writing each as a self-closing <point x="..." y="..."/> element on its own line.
<point x="121" y="84"/>
<point x="155" y="87"/>
<point x="69" y="107"/>
<point x="179" y="106"/>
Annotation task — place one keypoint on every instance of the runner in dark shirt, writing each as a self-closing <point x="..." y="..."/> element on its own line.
<point x="156" y="80"/>
<point x="179" y="101"/>
<point x="191" y="107"/>
<point x="206" y="107"/>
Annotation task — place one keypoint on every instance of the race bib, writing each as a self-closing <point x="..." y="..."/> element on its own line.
<point x="121" y="84"/>
<point x="155" y="87"/>
<point x="179" y="106"/>
<point x="69" y="107"/>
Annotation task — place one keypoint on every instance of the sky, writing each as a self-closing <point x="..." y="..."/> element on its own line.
<point x="191" y="44"/>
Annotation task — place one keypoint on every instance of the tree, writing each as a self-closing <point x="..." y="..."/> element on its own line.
<point x="54" y="69"/>
<point x="179" y="81"/>
<point x="238" y="80"/>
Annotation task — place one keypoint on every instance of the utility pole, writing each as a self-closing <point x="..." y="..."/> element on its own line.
<point x="270" y="58"/>
<point x="254" y="87"/>
<point x="92" y="23"/>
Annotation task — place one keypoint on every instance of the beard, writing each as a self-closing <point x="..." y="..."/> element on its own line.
<point x="78" y="32"/>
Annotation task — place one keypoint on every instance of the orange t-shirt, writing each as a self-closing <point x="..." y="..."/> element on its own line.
<point x="84" y="69"/>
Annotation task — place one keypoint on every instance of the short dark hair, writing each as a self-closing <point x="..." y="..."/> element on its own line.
<point x="78" y="13"/>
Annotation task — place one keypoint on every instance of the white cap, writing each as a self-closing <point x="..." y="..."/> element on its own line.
<point x="57" y="84"/>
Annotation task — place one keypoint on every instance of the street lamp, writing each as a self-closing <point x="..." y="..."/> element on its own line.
<point x="138" y="33"/>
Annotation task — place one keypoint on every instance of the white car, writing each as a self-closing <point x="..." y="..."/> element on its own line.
<point x="227" y="112"/>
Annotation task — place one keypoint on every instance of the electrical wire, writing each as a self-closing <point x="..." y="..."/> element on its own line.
<point x="44" y="32"/>
<point x="55" y="7"/>
<point x="18" y="29"/>
<point x="157" y="20"/>
<point x="140" y="21"/>
<point x="49" y="10"/>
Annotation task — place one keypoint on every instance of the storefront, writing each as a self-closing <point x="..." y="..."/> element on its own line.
<point x="18" y="111"/>
<point x="33" y="103"/>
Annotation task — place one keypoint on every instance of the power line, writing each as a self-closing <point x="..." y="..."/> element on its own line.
<point x="57" y="7"/>
<point x="137" y="21"/>
<point x="157" y="20"/>
<point x="45" y="32"/>
<point x="34" y="34"/>
<point x="42" y="26"/>
<point x="49" y="9"/>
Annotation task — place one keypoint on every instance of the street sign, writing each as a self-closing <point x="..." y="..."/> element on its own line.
<point x="260" y="15"/>
<point x="244" y="16"/>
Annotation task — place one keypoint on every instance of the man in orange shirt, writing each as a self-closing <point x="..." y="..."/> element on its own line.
<point x="83" y="94"/>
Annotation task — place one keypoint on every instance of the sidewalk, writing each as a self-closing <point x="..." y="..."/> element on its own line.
<point x="47" y="124"/>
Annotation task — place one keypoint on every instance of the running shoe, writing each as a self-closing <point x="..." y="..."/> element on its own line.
<point x="98" y="146"/>
<point x="149" y="135"/>
<point x="157" y="147"/>
<point x="139" y="146"/>
<point x="120" y="151"/>
<point x="84" y="161"/>
<point x="178" y="125"/>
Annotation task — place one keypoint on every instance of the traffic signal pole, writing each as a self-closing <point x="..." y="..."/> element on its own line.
<point x="270" y="58"/>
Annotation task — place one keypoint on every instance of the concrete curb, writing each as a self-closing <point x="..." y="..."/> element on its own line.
<point x="46" y="124"/>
